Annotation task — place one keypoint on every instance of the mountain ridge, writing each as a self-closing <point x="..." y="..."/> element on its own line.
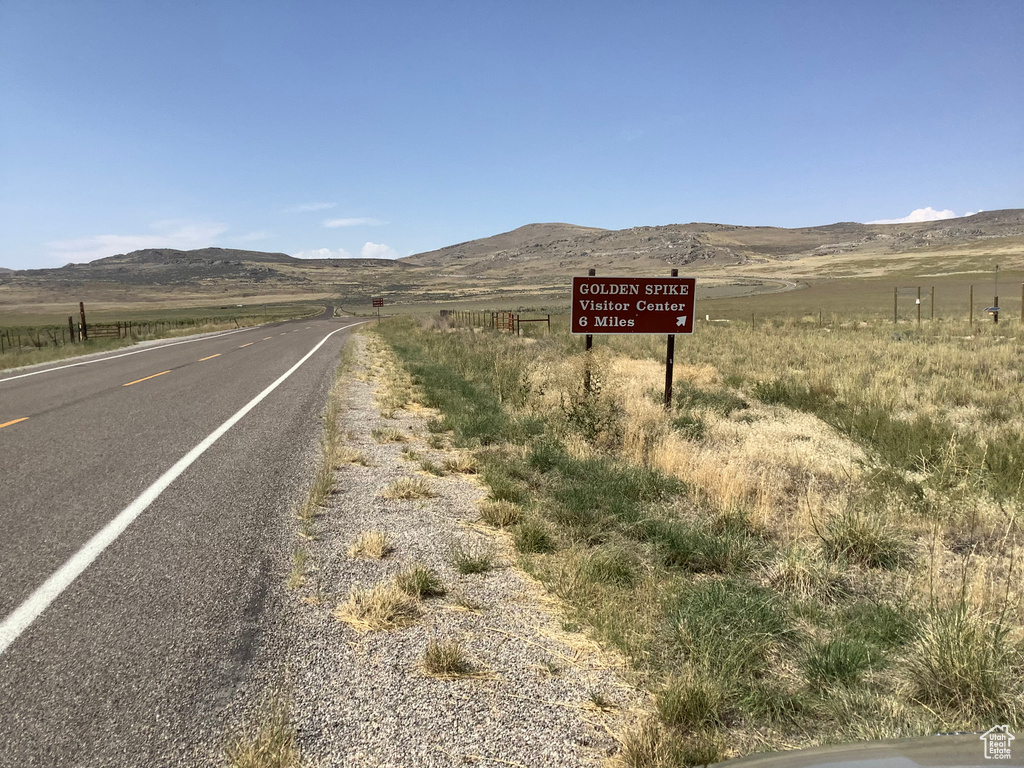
<point x="702" y="243"/>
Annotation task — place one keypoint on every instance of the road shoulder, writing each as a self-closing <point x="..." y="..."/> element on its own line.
<point x="513" y="686"/>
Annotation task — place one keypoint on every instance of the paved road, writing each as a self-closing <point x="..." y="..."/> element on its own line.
<point x="132" y="662"/>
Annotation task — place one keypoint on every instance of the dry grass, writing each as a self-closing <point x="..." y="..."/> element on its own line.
<point x="300" y="568"/>
<point x="420" y="581"/>
<point x="408" y="488"/>
<point x="500" y="513"/>
<point x="472" y="558"/>
<point x="447" y="660"/>
<point x="383" y="607"/>
<point x="348" y="455"/>
<point x="267" y="743"/>
<point x="388" y="435"/>
<point x="462" y="464"/>
<point x="824" y="503"/>
<point x="371" y="544"/>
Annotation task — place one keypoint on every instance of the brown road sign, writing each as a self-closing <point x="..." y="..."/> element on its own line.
<point x="378" y="302"/>
<point x="602" y="305"/>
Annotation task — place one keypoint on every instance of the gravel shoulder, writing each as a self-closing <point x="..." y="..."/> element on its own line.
<point x="535" y="695"/>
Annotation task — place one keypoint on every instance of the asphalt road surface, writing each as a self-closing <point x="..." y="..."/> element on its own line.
<point x="133" y="564"/>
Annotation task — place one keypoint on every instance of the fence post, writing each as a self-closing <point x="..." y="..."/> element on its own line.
<point x="85" y="328"/>
<point x="971" y="321"/>
<point x="932" y="302"/>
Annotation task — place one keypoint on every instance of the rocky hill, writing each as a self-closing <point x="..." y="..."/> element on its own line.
<point x="204" y="267"/>
<point x="544" y="248"/>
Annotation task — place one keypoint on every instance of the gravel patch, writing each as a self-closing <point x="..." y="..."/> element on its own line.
<point x="362" y="698"/>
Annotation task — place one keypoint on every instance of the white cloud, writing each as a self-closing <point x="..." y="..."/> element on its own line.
<point x="351" y="222"/>
<point x="323" y="253"/>
<point x="921" y="214"/>
<point x="378" y="251"/>
<point x="176" y="233"/>
<point x="302" y="207"/>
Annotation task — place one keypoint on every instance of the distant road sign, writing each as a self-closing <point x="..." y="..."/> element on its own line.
<point x="378" y="302"/>
<point x="604" y="305"/>
<point x="993" y="309"/>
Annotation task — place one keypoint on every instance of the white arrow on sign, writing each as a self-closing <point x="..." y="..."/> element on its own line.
<point x="680" y="321"/>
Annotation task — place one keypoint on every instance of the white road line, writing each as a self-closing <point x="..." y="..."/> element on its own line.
<point x="23" y="616"/>
<point x="126" y="354"/>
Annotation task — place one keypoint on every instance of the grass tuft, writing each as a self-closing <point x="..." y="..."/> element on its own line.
<point x="964" y="663"/>
<point x="408" y="488"/>
<point x="300" y="561"/>
<point x="347" y="455"/>
<point x="474" y="558"/>
<point x="859" y="537"/>
<point x="431" y="468"/>
<point x="383" y="607"/>
<point x="840" y="661"/>
<point x="388" y="435"/>
<point x="500" y="513"/>
<point x="533" y="537"/>
<point x="372" y="544"/>
<point x="694" y="701"/>
<point x="446" y="660"/>
<point x="801" y="572"/>
<point x="462" y="464"/>
<point x="268" y="743"/>
<point x="420" y="581"/>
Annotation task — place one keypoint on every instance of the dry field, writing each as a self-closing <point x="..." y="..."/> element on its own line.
<point x="820" y="541"/>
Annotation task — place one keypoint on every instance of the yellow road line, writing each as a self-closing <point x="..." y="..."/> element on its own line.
<point x="247" y="345"/>
<point x="16" y="421"/>
<point x="203" y="359"/>
<point x="145" y="379"/>
<point x="284" y="333"/>
<point x="267" y="337"/>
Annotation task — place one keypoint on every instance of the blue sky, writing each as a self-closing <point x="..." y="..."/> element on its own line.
<point x="389" y="128"/>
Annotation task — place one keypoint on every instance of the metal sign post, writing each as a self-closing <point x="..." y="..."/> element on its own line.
<point x="588" y="344"/>
<point x="669" y="361"/>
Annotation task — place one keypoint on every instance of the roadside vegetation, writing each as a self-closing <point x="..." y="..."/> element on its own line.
<point x="818" y="542"/>
<point x="31" y="344"/>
